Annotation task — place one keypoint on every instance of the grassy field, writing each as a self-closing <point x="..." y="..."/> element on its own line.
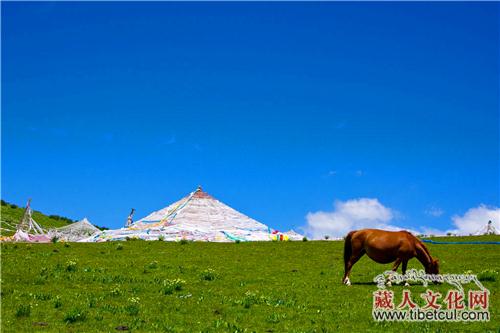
<point x="209" y="287"/>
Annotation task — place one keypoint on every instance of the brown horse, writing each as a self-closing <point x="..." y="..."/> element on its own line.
<point x="385" y="247"/>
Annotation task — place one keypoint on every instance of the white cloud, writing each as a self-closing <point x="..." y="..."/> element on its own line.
<point x="370" y="213"/>
<point x="425" y="230"/>
<point x="434" y="211"/>
<point x="332" y="172"/>
<point x="350" y="215"/>
<point x="475" y="219"/>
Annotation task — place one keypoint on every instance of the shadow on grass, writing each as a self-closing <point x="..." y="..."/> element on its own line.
<point x="371" y="283"/>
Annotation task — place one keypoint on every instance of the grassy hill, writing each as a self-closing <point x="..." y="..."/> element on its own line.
<point x="216" y="287"/>
<point x="11" y="214"/>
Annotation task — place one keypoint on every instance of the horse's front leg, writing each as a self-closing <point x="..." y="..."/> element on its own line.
<point x="394" y="269"/>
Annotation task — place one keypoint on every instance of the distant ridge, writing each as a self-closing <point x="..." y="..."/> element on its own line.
<point x="11" y="214"/>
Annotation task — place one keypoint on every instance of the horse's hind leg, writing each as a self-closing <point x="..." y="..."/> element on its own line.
<point x="355" y="256"/>
<point x="396" y="265"/>
<point x="394" y="269"/>
<point x="405" y="263"/>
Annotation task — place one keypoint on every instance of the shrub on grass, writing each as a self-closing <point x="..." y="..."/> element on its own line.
<point x="24" y="310"/>
<point x="116" y="291"/>
<point x="133" y="307"/>
<point x="71" y="266"/>
<point x="134" y="300"/>
<point x="57" y="302"/>
<point x="61" y="218"/>
<point x="119" y="247"/>
<point x="130" y="239"/>
<point x="249" y="299"/>
<point x="275" y="318"/>
<point x="304" y="239"/>
<point x="66" y="244"/>
<point x="42" y="297"/>
<point x="208" y="274"/>
<point x="183" y="241"/>
<point x="161" y="238"/>
<point x="488" y="275"/>
<point x="54" y="239"/>
<point x="74" y="315"/>
<point x="169" y="286"/>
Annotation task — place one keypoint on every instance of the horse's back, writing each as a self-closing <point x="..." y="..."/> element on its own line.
<point x="385" y="246"/>
<point x="378" y="233"/>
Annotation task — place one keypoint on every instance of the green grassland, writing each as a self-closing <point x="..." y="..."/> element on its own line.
<point x="213" y="287"/>
<point x="10" y="215"/>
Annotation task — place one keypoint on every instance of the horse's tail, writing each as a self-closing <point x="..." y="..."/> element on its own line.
<point x="348" y="247"/>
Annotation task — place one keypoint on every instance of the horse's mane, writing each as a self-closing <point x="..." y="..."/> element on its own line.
<point x="424" y="247"/>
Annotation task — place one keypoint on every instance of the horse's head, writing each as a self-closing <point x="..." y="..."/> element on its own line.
<point x="433" y="267"/>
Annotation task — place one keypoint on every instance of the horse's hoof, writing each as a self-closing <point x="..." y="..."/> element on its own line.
<point x="347" y="282"/>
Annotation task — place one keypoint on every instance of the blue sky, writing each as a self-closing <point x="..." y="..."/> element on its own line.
<point x="277" y="109"/>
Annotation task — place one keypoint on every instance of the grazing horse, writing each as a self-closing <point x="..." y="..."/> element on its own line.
<point x="385" y="247"/>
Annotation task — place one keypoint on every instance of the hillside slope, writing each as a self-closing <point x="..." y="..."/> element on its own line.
<point x="10" y="215"/>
